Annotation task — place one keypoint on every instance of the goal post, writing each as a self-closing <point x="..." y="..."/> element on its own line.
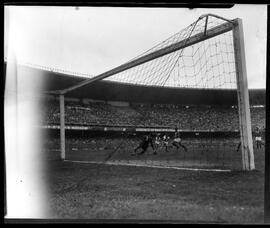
<point x="62" y="127"/>
<point x="243" y="97"/>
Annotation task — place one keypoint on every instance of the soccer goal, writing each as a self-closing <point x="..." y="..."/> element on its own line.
<point x="208" y="55"/>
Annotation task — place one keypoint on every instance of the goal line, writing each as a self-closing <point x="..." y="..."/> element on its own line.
<point x="148" y="166"/>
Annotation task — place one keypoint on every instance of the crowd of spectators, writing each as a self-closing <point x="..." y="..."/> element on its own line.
<point x="213" y="118"/>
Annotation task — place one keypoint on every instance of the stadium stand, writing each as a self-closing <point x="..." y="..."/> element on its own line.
<point x="205" y="118"/>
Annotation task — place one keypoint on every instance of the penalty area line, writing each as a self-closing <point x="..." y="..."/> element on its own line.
<point x="151" y="166"/>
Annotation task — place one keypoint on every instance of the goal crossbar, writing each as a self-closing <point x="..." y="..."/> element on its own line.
<point x="215" y="31"/>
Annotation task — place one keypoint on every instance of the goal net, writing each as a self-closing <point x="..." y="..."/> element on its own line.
<point x="208" y="55"/>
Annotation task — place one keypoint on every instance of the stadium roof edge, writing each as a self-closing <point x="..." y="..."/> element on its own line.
<point x="115" y="91"/>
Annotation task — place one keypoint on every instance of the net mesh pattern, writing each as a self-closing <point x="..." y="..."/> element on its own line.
<point x="206" y="64"/>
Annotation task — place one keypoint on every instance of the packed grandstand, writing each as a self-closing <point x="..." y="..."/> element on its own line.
<point x="187" y="118"/>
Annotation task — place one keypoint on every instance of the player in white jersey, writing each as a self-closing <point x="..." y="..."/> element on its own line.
<point x="157" y="143"/>
<point x="258" y="138"/>
<point x="177" y="140"/>
<point x="165" y="142"/>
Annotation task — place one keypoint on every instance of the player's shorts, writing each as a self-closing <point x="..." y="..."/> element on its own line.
<point x="178" y="140"/>
<point x="258" y="138"/>
<point x="166" y="143"/>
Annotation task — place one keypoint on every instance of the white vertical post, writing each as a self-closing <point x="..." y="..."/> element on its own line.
<point x="243" y="97"/>
<point x="62" y="127"/>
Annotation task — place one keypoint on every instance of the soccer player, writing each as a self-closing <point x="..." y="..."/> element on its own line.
<point x="177" y="140"/>
<point x="258" y="138"/>
<point x="147" y="139"/>
<point x="165" y="141"/>
<point x="157" y="142"/>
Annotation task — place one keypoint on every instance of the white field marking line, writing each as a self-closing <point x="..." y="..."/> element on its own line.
<point x="151" y="166"/>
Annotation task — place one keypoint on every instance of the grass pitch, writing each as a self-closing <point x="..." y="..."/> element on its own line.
<point x="100" y="191"/>
<point x="92" y="191"/>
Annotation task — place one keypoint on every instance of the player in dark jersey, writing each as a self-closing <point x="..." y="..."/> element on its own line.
<point x="177" y="140"/>
<point x="147" y="139"/>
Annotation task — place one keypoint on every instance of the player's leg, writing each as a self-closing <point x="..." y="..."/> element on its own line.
<point x="144" y="148"/>
<point x="156" y="147"/>
<point x="238" y="147"/>
<point x="183" y="146"/>
<point x="137" y="148"/>
<point x="166" y="146"/>
<point x="175" y="144"/>
<point x="155" y="150"/>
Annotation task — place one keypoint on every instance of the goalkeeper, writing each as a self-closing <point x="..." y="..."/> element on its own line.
<point x="147" y="139"/>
